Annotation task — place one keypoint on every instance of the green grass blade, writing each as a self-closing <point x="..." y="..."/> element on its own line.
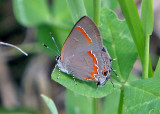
<point x="50" y="104"/>
<point x="147" y="16"/>
<point x="147" y="23"/>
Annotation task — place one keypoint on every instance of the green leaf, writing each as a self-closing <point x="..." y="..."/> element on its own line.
<point x="111" y="103"/>
<point x="111" y="4"/>
<point x="135" y="26"/>
<point x="50" y="104"/>
<point x="147" y="16"/>
<point x="77" y="9"/>
<point x="157" y="71"/>
<point x="89" y="7"/>
<point x="119" y="43"/>
<point x="96" y="11"/>
<point x="61" y="14"/>
<point x="142" y="96"/>
<point x="77" y="104"/>
<point x="85" y="88"/>
<point x="31" y="12"/>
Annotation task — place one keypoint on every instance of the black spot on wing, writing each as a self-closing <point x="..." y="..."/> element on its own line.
<point x="103" y="49"/>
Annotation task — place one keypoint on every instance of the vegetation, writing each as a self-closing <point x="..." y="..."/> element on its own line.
<point x="124" y="39"/>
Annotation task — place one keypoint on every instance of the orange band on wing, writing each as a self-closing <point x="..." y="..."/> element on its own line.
<point x="61" y="54"/>
<point x="105" y="70"/>
<point x="84" y="33"/>
<point x="95" y="68"/>
<point x="88" y="78"/>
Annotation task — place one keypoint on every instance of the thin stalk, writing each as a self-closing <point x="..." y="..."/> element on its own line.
<point x="96" y="18"/>
<point x="120" y="107"/>
<point x="11" y="45"/>
<point x="96" y="106"/>
<point x="146" y="57"/>
<point x="96" y="9"/>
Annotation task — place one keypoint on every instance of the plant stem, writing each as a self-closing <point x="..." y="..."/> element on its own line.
<point x="146" y="57"/>
<point x="120" y="108"/>
<point x="95" y="106"/>
<point x="96" y="18"/>
<point x="96" y="9"/>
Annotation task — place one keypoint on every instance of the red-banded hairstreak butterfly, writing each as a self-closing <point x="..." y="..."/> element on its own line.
<point x="83" y="54"/>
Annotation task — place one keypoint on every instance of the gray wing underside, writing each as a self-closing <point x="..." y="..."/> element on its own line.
<point x="81" y="64"/>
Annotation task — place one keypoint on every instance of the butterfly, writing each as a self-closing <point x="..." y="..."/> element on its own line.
<point x="83" y="54"/>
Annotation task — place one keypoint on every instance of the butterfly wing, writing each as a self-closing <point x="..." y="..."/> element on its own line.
<point x="89" y="65"/>
<point x="84" y="36"/>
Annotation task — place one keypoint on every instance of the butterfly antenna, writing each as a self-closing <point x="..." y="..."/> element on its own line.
<point x="7" y="44"/>
<point x="54" y="42"/>
<point x="50" y="48"/>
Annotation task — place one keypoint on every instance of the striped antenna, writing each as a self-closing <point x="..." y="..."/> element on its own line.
<point x="50" y="48"/>
<point x="7" y="44"/>
<point x="55" y="43"/>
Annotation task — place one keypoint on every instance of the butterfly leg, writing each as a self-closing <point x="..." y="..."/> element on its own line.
<point x="113" y="59"/>
<point x="111" y="82"/>
<point x="74" y="80"/>
<point x="59" y="73"/>
<point x="112" y="70"/>
<point x="54" y="68"/>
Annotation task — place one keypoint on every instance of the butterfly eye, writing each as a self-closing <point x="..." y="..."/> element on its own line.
<point x="59" y="57"/>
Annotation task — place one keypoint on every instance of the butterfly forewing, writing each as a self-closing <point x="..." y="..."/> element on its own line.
<point x="83" y="37"/>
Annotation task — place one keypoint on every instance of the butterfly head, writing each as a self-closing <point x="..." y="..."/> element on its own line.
<point x="58" y="58"/>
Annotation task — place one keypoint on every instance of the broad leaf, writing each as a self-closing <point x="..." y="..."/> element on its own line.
<point x="119" y="43"/>
<point x="77" y="104"/>
<point x="85" y="88"/>
<point x="61" y="14"/>
<point x="111" y="103"/>
<point x="111" y="4"/>
<point x="142" y="96"/>
<point x="31" y="12"/>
